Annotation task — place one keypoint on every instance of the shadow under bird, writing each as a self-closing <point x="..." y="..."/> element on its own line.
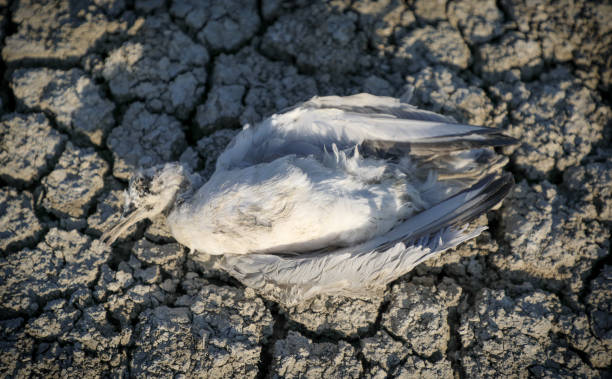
<point x="335" y="196"/>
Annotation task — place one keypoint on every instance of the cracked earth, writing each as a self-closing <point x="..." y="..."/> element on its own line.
<point x="90" y="91"/>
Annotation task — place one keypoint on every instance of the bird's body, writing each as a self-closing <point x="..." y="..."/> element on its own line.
<point x="293" y="205"/>
<point x="336" y="195"/>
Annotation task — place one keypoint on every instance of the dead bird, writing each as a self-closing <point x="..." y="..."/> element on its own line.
<point x="336" y="196"/>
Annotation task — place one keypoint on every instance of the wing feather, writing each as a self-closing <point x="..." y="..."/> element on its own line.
<point x="295" y="280"/>
<point x="383" y="123"/>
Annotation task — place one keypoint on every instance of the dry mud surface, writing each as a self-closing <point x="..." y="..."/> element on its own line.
<point x="92" y="89"/>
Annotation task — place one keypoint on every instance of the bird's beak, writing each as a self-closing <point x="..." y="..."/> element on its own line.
<point x="127" y="219"/>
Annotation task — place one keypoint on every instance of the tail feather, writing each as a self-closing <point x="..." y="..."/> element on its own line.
<point x="472" y="164"/>
<point x="457" y="210"/>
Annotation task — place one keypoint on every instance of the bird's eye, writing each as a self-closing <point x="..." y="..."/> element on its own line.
<point x="137" y="182"/>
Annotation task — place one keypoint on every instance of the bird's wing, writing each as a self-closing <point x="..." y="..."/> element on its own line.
<point x="365" y="269"/>
<point x="381" y="124"/>
<point x="293" y="281"/>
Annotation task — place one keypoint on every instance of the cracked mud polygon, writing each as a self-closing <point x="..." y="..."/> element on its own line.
<point x="91" y="90"/>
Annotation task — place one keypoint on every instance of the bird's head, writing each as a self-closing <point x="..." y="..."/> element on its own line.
<point x="151" y="192"/>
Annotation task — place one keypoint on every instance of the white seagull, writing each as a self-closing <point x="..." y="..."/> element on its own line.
<point x="335" y="196"/>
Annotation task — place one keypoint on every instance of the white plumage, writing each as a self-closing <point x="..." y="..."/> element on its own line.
<point x="338" y="195"/>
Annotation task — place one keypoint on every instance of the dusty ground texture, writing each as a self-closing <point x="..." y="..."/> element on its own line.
<point x="91" y="90"/>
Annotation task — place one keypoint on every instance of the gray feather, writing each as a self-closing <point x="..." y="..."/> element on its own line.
<point x="294" y="280"/>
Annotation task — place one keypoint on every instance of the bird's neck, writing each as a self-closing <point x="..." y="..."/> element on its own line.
<point x="181" y="200"/>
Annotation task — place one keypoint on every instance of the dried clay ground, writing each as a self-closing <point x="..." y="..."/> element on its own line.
<point x="91" y="90"/>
